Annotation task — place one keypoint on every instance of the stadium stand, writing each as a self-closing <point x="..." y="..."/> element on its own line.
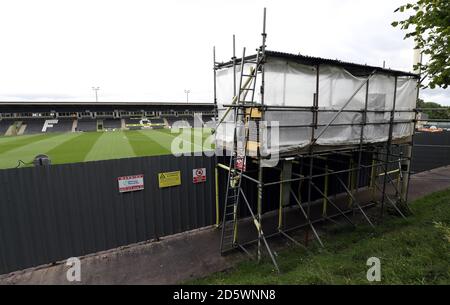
<point x="87" y="125"/>
<point x="210" y="122"/>
<point x="171" y="120"/>
<point x="189" y="120"/>
<point x="33" y="126"/>
<point x="111" y="124"/>
<point x="133" y="123"/>
<point x="29" y="118"/>
<point x="158" y="123"/>
<point x="4" y="125"/>
<point x="207" y="118"/>
<point x="63" y="125"/>
<point x="198" y="120"/>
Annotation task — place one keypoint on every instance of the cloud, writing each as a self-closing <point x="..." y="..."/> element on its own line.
<point x="440" y="96"/>
<point x="143" y="50"/>
<point x="37" y="97"/>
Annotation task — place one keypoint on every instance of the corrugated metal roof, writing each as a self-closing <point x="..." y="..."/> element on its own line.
<point x="354" y="68"/>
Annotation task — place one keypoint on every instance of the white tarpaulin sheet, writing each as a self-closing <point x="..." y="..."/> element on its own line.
<point x="291" y="84"/>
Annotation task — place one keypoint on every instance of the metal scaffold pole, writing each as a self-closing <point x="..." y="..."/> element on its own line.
<point x="310" y="177"/>
<point x="259" y="209"/>
<point x="216" y="112"/>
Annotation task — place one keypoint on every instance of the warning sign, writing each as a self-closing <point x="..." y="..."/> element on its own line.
<point x="169" y="179"/>
<point x="131" y="183"/>
<point x="199" y="175"/>
<point x="240" y="163"/>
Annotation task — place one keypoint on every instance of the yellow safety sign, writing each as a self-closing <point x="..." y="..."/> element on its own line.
<point x="169" y="179"/>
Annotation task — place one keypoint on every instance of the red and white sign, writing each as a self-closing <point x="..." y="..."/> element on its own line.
<point x="240" y="163"/>
<point x="199" y="175"/>
<point x="131" y="183"/>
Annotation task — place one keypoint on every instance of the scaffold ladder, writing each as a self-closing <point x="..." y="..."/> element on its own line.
<point x="237" y="162"/>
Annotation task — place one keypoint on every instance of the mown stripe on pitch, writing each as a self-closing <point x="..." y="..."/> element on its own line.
<point x="111" y="145"/>
<point x="27" y="152"/>
<point x="74" y="150"/>
<point x="7" y="139"/>
<point x="21" y="141"/>
<point x="164" y="140"/>
<point x="143" y="145"/>
<point x="187" y="137"/>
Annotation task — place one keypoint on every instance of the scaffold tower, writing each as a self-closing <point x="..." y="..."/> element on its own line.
<point x="343" y="132"/>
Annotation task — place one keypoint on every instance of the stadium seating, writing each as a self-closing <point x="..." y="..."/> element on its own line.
<point x="39" y="125"/>
<point x="188" y="119"/>
<point x="158" y="123"/>
<point x="111" y="124"/>
<point x="4" y="125"/>
<point x="171" y="120"/>
<point x="87" y="125"/>
<point x="63" y="125"/>
<point x="33" y="126"/>
<point x="210" y="122"/>
<point x="207" y="118"/>
<point x="198" y="121"/>
<point x="133" y="123"/>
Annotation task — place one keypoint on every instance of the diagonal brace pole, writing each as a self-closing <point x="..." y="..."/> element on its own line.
<point x="390" y="201"/>
<point x="355" y="201"/>
<point x="257" y="224"/>
<point x="291" y="239"/>
<point x="342" y="108"/>
<point x="333" y="204"/>
<point x="307" y="218"/>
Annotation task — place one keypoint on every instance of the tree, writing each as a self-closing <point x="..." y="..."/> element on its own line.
<point x="434" y="110"/>
<point x="431" y="33"/>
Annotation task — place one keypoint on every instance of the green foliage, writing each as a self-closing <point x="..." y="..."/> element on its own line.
<point x="429" y="26"/>
<point x="445" y="229"/>
<point x="442" y="113"/>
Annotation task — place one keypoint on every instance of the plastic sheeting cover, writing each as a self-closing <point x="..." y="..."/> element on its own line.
<point x="290" y="84"/>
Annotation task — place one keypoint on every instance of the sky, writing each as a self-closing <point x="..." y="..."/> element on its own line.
<point x="136" y="50"/>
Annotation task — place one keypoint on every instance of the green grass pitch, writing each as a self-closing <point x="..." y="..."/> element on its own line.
<point x="92" y="146"/>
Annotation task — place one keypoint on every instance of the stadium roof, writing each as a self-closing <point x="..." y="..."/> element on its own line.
<point x="354" y="68"/>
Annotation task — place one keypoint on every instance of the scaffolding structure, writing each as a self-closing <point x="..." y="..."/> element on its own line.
<point x="385" y="166"/>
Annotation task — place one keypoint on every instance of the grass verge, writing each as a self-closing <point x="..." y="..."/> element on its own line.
<point x="412" y="251"/>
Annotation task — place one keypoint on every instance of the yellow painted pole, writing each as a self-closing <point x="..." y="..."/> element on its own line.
<point x="390" y="172"/>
